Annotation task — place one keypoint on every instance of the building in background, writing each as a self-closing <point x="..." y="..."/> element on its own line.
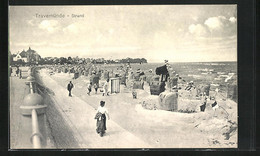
<point x="20" y="56"/>
<point x="29" y="56"/>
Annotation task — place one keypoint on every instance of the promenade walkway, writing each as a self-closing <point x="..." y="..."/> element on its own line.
<point x="80" y="116"/>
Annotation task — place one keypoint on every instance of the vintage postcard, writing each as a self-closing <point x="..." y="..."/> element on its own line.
<point x="123" y="76"/>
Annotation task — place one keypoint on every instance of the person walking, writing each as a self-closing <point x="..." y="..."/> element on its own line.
<point x="11" y="70"/>
<point x="102" y="112"/>
<point x="69" y="87"/>
<point x="20" y="74"/>
<point x="17" y="71"/>
<point x="89" y="88"/>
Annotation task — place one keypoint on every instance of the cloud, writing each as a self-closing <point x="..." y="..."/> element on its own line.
<point x="219" y="26"/>
<point x="232" y="19"/>
<point x="216" y="23"/>
<point x="180" y="30"/>
<point x="66" y="44"/>
<point x="111" y="31"/>
<point x="195" y="18"/>
<point x="49" y="25"/>
<point x="31" y="22"/>
<point x="79" y="27"/>
<point x="72" y="28"/>
<point x="116" y="49"/>
<point x="27" y="44"/>
<point x="197" y="29"/>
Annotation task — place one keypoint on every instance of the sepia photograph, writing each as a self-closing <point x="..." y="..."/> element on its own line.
<point x="123" y="76"/>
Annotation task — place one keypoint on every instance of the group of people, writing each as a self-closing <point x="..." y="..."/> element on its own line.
<point x="89" y="87"/>
<point x="95" y="86"/>
<point x="18" y="72"/>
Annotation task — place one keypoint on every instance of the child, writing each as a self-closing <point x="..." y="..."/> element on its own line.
<point x="134" y="93"/>
<point x="89" y="88"/>
<point x="96" y="87"/>
<point x="105" y="88"/>
<point x="204" y="103"/>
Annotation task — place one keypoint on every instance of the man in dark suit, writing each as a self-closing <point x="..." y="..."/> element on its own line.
<point x="69" y="87"/>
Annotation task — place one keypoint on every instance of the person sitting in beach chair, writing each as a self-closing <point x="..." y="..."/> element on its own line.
<point x="89" y="88"/>
<point x="190" y="85"/>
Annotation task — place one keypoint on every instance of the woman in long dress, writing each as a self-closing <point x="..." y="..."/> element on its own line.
<point x="101" y="121"/>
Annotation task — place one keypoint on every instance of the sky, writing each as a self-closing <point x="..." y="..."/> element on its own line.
<point x="178" y="33"/>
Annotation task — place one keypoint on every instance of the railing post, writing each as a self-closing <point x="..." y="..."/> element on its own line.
<point x="33" y="106"/>
<point x="36" y="135"/>
<point x="31" y="88"/>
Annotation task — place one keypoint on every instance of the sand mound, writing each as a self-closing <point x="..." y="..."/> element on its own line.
<point x="188" y="106"/>
<point x="150" y="102"/>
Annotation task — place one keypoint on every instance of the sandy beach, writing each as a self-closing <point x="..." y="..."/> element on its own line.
<point x="132" y="126"/>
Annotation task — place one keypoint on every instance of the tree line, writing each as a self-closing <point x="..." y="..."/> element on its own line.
<point x="76" y="60"/>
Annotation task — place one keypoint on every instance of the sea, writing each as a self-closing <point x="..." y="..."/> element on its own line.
<point x="217" y="74"/>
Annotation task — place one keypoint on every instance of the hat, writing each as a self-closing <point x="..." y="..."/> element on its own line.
<point x="102" y="103"/>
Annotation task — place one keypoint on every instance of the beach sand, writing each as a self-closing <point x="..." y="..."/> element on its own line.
<point x="132" y="126"/>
